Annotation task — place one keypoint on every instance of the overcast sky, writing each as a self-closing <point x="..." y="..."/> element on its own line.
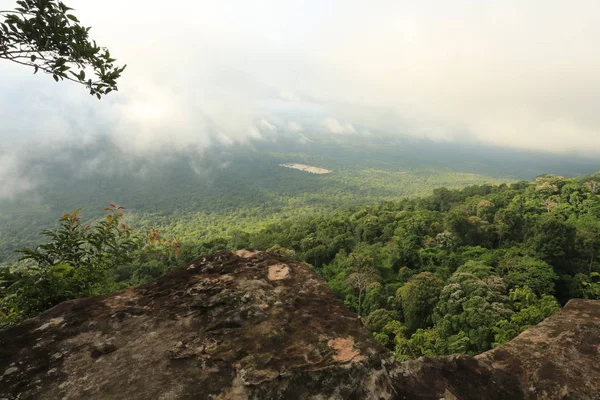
<point x="520" y="73"/>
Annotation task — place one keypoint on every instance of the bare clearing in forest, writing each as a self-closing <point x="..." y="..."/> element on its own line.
<point x="307" y="168"/>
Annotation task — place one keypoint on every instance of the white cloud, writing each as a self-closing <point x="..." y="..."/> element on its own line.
<point x="14" y="183"/>
<point x="334" y="126"/>
<point x="294" y="127"/>
<point x="267" y="125"/>
<point x="521" y="74"/>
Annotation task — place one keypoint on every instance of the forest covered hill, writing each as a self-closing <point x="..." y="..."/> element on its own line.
<point x="459" y="271"/>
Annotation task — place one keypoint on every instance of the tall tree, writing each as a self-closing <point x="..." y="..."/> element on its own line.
<point x="554" y="242"/>
<point x="418" y="298"/>
<point x="363" y="277"/>
<point x="532" y="273"/>
<point x="470" y="306"/>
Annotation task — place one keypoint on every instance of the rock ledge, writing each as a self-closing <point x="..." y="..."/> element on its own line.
<point x="255" y="325"/>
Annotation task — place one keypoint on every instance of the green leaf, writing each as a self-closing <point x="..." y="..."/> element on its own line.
<point x="61" y="269"/>
<point x="72" y="17"/>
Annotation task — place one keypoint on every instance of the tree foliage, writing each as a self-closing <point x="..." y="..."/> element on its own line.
<point x="46" y="36"/>
<point x="418" y="297"/>
<point x="529" y="310"/>
<point x="363" y="277"/>
<point x="378" y="319"/>
<point x="75" y="262"/>
<point x="535" y="274"/>
<point x="471" y="305"/>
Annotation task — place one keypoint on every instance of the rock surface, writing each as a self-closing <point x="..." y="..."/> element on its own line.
<point x="557" y="359"/>
<point x="255" y="325"/>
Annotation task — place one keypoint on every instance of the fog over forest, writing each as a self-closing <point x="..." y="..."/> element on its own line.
<point x="517" y="74"/>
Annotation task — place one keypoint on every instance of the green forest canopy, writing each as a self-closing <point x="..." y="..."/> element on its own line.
<point x="458" y="271"/>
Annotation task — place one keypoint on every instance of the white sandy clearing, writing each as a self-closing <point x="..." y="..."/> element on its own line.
<point x="307" y="168"/>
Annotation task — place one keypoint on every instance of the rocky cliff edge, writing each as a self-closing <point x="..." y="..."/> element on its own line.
<point x="255" y="325"/>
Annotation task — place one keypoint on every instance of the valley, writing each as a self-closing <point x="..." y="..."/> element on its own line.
<point x="241" y="187"/>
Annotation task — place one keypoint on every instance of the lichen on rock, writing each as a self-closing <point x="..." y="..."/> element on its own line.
<point x="255" y="325"/>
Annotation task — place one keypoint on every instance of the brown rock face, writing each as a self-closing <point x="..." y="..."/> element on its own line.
<point x="557" y="359"/>
<point x="255" y="325"/>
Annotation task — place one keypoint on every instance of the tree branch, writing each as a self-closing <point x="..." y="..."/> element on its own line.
<point x="48" y="71"/>
<point x="17" y="51"/>
<point x="43" y="35"/>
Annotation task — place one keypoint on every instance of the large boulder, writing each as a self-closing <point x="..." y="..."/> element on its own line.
<point x="228" y="326"/>
<point x="256" y="325"/>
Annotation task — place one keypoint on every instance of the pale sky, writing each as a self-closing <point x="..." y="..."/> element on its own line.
<point x="518" y="73"/>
